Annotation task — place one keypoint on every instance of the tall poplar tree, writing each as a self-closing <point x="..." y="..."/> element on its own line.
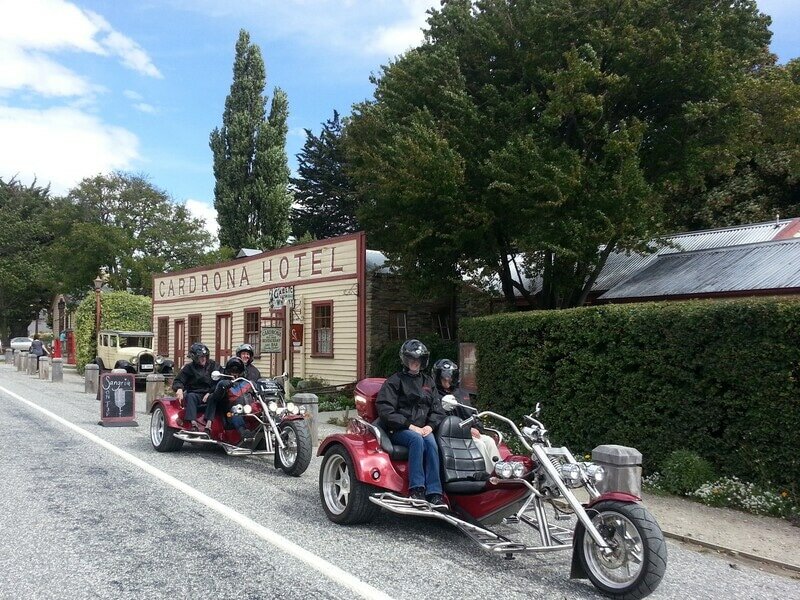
<point x="251" y="194"/>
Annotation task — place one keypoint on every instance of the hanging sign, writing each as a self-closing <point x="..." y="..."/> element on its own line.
<point x="297" y="334"/>
<point x="281" y="296"/>
<point x="271" y="340"/>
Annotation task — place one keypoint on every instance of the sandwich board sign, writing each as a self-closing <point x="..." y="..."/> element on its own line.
<point x="117" y="395"/>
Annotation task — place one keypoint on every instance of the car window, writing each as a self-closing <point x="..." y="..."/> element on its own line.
<point x="136" y="342"/>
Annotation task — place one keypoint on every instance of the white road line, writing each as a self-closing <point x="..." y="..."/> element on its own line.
<point x="327" y="569"/>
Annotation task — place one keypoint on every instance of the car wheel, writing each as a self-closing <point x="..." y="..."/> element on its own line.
<point x="162" y="436"/>
<point x="344" y="498"/>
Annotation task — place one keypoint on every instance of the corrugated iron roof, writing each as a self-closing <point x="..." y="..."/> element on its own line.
<point x="621" y="265"/>
<point x="773" y="265"/>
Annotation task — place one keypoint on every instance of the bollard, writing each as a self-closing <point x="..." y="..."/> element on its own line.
<point x="44" y="367"/>
<point x="33" y="364"/>
<point x="57" y="370"/>
<point x="623" y="466"/>
<point x="154" y="388"/>
<point x="9" y="356"/>
<point x="22" y="361"/>
<point x="311" y="402"/>
<point x="91" y="375"/>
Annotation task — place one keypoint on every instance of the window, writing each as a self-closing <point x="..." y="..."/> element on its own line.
<point x="441" y="325"/>
<point x="163" y="336"/>
<point x="322" y="329"/>
<point x="398" y="330"/>
<point x="195" y="329"/>
<point x="252" y="322"/>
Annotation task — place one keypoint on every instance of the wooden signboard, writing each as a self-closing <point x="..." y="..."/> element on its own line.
<point x="117" y="395"/>
<point x="467" y="361"/>
<point x="271" y="340"/>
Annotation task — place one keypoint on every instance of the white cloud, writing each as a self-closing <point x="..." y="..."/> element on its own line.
<point x="396" y="39"/>
<point x="34" y="71"/>
<point x="145" y="108"/>
<point x="130" y="94"/>
<point x="202" y="210"/>
<point x="60" y="146"/>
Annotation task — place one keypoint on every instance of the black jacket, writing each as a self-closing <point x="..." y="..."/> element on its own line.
<point x="462" y="397"/>
<point x="194" y="378"/>
<point x="406" y="399"/>
<point x="37" y="348"/>
<point x="252" y="373"/>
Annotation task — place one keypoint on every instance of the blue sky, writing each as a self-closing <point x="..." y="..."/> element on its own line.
<point x="90" y="86"/>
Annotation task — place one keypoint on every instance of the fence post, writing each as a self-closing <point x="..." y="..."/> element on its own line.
<point x="57" y="370"/>
<point x="91" y="376"/>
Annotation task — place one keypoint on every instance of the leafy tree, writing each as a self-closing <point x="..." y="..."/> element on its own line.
<point x="25" y="272"/>
<point x="124" y="225"/>
<point x="324" y="196"/>
<point x="764" y="180"/>
<point x="251" y="193"/>
<point x="536" y="136"/>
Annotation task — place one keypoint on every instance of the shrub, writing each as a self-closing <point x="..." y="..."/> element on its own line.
<point x="721" y="378"/>
<point x="683" y="472"/>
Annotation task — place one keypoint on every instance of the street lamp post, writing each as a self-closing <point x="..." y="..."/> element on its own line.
<point x="98" y="283"/>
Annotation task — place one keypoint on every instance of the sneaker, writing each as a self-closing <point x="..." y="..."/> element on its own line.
<point x="417" y="493"/>
<point x="435" y="500"/>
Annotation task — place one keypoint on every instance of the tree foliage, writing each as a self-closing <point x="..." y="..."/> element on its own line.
<point x="539" y="135"/>
<point x="122" y="224"/>
<point x="25" y="272"/>
<point x="251" y="193"/>
<point x="324" y="196"/>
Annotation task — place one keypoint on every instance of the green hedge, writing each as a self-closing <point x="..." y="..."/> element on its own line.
<point x="386" y="358"/>
<point x="719" y="378"/>
<point x="119" y="310"/>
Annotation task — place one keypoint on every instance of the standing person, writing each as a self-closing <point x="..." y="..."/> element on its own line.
<point x="37" y="349"/>
<point x="445" y="374"/>
<point x="245" y="352"/>
<point x="193" y="384"/>
<point x="410" y="410"/>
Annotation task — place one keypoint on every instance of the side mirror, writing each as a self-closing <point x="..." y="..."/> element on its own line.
<point x="215" y="375"/>
<point x="538" y="409"/>
<point x="449" y="402"/>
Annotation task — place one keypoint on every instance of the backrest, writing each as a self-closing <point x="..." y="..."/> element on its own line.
<point x="365" y="395"/>
<point x="460" y="457"/>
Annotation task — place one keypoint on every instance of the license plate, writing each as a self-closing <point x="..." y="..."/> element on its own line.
<point x="146" y="367"/>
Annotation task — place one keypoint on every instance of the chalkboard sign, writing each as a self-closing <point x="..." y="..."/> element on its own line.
<point x="117" y="395"/>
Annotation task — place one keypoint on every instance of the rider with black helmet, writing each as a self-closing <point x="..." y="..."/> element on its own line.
<point x="236" y="392"/>
<point x="409" y="409"/>
<point x="246" y="353"/>
<point x="445" y="375"/>
<point x="194" y="384"/>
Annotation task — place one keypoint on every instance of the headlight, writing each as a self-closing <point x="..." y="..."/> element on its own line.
<point x="595" y="472"/>
<point x="571" y="474"/>
<point x="504" y="470"/>
<point x="159" y="360"/>
<point x="247" y="409"/>
<point x="292" y="408"/>
<point x="518" y="469"/>
<point x="272" y="406"/>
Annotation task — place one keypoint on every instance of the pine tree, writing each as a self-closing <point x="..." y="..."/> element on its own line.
<point x="251" y="194"/>
<point x="324" y="197"/>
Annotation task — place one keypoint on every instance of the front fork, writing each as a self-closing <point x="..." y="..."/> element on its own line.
<point x="577" y="507"/>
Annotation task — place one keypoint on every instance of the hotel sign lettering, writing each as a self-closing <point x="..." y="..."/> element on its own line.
<point x="285" y="268"/>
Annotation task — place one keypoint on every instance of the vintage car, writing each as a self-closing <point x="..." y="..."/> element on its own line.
<point x="132" y="351"/>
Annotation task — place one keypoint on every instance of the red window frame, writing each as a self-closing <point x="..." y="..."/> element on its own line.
<point x="318" y="322"/>
<point x="163" y="336"/>
<point x="194" y="329"/>
<point x="252" y="336"/>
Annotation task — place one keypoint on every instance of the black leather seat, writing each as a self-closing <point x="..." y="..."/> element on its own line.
<point x="463" y="467"/>
<point x="396" y="452"/>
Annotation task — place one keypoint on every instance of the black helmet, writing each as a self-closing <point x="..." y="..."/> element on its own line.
<point x="445" y="367"/>
<point x="198" y="350"/>
<point x="414" y="349"/>
<point x="245" y="348"/>
<point x="234" y="366"/>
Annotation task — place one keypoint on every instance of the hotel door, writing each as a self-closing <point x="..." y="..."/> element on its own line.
<point x="180" y="344"/>
<point x="224" y="336"/>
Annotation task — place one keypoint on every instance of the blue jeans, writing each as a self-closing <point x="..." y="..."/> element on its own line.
<point x="423" y="460"/>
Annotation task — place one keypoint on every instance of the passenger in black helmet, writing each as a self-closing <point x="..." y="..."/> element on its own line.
<point x="409" y="409"/>
<point x="246" y="353"/>
<point x="235" y="392"/>
<point x="193" y="384"/>
<point x="445" y="375"/>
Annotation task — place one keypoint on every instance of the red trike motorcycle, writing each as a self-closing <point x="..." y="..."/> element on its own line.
<point x="280" y="428"/>
<point x="614" y="540"/>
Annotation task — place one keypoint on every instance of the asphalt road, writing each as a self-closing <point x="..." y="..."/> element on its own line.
<point x="94" y="512"/>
